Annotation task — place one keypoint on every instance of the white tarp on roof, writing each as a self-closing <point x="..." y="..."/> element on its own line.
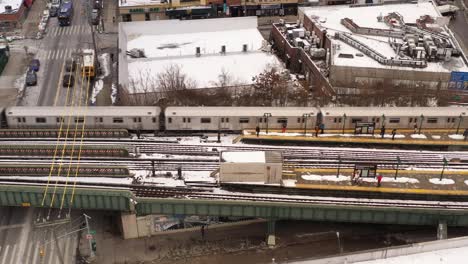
<point x="244" y="157"/>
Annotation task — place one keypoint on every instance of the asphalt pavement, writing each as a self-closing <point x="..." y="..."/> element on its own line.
<point x="58" y="45"/>
<point x="459" y="25"/>
<point x="26" y="238"/>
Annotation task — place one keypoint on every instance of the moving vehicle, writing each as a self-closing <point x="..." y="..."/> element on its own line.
<point x="68" y="80"/>
<point x="53" y="11"/>
<point x="70" y="65"/>
<point x="65" y="14"/>
<point x="31" y="78"/>
<point x="95" y="17"/>
<point x="35" y="65"/>
<point x="88" y="66"/>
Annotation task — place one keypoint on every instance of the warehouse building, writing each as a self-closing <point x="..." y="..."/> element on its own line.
<point x="12" y="13"/>
<point x="346" y="50"/>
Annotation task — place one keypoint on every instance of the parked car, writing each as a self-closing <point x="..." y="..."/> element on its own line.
<point x="95" y="17"/>
<point x="70" y="65"/>
<point x="35" y="65"/>
<point x="68" y="80"/>
<point x="31" y="78"/>
<point x="53" y="11"/>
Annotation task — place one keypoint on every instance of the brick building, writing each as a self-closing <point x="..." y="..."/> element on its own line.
<point x="12" y="13"/>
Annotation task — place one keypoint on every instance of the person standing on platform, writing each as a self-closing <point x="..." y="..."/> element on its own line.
<point x="393" y="133"/>
<point x="415" y="129"/>
<point x="257" y="130"/>
<point x="283" y="128"/>
<point x="202" y="232"/>
<point x="382" y="131"/>
<point x="379" y="179"/>
<point x="322" y="127"/>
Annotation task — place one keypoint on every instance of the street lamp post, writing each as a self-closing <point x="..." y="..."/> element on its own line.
<point x="443" y="168"/>
<point x="420" y="124"/>
<point x="305" y="117"/>
<point x="383" y="120"/>
<point x="267" y="116"/>
<point x="344" y="123"/>
<point x="459" y="123"/>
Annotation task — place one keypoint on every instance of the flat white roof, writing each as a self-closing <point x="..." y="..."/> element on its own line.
<point x="174" y="42"/>
<point x="129" y="3"/>
<point x="394" y="111"/>
<point x="329" y="17"/>
<point x="15" y="4"/>
<point x="243" y="157"/>
<point x="114" y="111"/>
<point x="240" y="111"/>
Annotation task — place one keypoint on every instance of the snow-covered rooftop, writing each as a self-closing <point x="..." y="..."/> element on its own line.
<point x="130" y="3"/>
<point x="15" y="4"/>
<point x="244" y="157"/>
<point x="174" y="42"/>
<point x="329" y="17"/>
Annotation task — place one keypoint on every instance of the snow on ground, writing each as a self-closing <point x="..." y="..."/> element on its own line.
<point x="312" y="177"/>
<point x="244" y="157"/>
<point x="466" y="182"/>
<point x="104" y="61"/>
<point x="441" y="256"/>
<point x="198" y="176"/>
<point x="98" y="85"/>
<point x="435" y="137"/>
<point x="289" y="183"/>
<point x="114" y="93"/>
<point x="15" y="4"/>
<point x="418" y="136"/>
<point x="392" y="180"/>
<point x="171" y="157"/>
<point x="456" y="136"/>
<point x="442" y="182"/>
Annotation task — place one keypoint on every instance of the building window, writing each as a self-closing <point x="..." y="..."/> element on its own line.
<point x="282" y="120"/>
<point x="147" y="17"/>
<point x="432" y="120"/>
<point x="394" y="120"/>
<point x="79" y="119"/>
<point x="243" y="120"/>
<point x="117" y="120"/>
<point x="169" y="120"/>
<point x="205" y="120"/>
<point x="126" y="18"/>
<point x="137" y="120"/>
<point x="40" y="120"/>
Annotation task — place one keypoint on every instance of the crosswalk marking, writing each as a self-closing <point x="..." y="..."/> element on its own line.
<point x="36" y="253"/>
<point x="70" y="30"/>
<point x="55" y="54"/>
<point x="5" y="253"/>
<point x="14" y="254"/>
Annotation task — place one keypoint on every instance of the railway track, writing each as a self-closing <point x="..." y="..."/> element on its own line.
<point x="212" y="194"/>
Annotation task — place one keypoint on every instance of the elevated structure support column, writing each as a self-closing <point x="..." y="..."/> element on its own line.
<point x="442" y="230"/>
<point x="128" y="225"/>
<point x="271" y="237"/>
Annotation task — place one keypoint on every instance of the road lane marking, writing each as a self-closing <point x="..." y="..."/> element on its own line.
<point x="57" y="93"/>
<point x="5" y="253"/>
<point x="35" y="254"/>
<point x="27" y="256"/>
<point x="14" y="254"/>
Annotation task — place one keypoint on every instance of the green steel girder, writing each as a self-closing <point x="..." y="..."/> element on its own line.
<point x="339" y="213"/>
<point x="100" y="199"/>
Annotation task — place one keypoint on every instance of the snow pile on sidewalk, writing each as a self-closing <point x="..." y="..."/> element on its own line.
<point x="442" y="182"/>
<point x="312" y="177"/>
<point x="289" y="183"/>
<point x="104" y="61"/>
<point x="418" y="136"/>
<point x="98" y="85"/>
<point x="114" y="93"/>
<point x="456" y="136"/>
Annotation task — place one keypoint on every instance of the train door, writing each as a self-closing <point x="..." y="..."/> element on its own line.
<point x="186" y="122"/>
<point x="225" y="123"/>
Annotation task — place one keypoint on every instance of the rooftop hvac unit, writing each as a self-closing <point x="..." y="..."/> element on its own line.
<point x="223" y="49"/>
<point x="197" y="51"/>
<point x="244" y="48"/>
<point x="281" y="21"/>
<point x="8" y="9"/>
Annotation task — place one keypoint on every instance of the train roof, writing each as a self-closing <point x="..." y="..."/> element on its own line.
<point x="115" y="111"/>
<point x="239" y="111"/>
<point x="394" y="111"/>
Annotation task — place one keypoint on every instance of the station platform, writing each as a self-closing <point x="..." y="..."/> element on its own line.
<point x="413" y="182"/>
<point x="440" y="139"/>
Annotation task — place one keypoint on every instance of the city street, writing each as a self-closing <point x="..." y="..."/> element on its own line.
<point x="24" y="234"/>
<point x="459" y="26"/>
<point x="58" y="45"/>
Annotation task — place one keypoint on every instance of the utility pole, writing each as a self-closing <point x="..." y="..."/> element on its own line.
<point x="459" y="122"/>
<point x="443" y="168"/>
<point x="91" y="251"/>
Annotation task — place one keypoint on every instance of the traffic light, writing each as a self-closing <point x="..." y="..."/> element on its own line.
<point x="93" y="245"/>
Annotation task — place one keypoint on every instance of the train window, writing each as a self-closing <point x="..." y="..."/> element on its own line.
<point x="335" y="120"/>
<point x="415" y="120"/>
<point x="169" y="120"/>
<point x="99" y="119"/>
<point x="224" y="119"/>
<point x="79" y="119"/>
<point x="243" y="120"/>
<point x="432" y="120"/>
<point x="411" y="120"/>
<point x="137" y="120"/>
<point x="282" y="120"/>
<point x="186" y="120"/>
<point x="117" y="120"/>
<point x="260" y="120"/>
<point x="41" y="120"/>
<point x="450" y="120"/>
<point x="154" y="119"/>
<point x="189" y="120"/>
<point x="394" y="120"/>
<point x="355" y="120"/>
<point x="205" y="120"/>
<point x="19" y="119"/>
